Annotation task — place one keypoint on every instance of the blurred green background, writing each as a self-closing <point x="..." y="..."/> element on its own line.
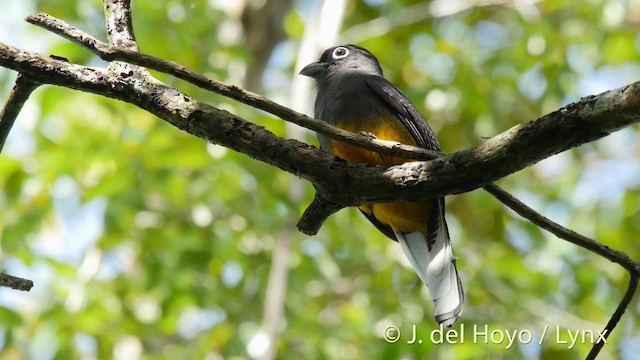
<point x="147" y="243"/>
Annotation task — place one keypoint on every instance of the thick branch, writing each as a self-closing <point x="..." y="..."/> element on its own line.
<point x="352" y="184"/>
<point x="315" y="214"/>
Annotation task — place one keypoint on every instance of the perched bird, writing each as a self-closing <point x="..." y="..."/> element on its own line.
<point x="353" y="95"/>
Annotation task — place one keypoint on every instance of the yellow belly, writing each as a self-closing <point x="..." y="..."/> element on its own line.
<point x="405" y="216"/>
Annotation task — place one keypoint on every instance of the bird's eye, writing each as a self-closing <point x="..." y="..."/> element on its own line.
<point x="340" y="52"/>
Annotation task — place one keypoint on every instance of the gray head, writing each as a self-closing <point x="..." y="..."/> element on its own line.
<point x="342" y="60"/>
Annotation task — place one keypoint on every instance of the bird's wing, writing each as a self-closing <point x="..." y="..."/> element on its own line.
<point x="404" y="110"/>
<point x="430" y="254"/>
<point x="398" y="104"/>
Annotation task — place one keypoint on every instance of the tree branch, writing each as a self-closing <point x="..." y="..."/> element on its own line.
<point x="352" y="184"/>
<point x="19" y="94"/>
<point x="594" y="246"/>
<point x="21" y="91"/>
<point x="119" y="24"/>
<point x="15" y="282"/>
<point x="562" y="232"/>
<point x="617" y="315"/>
<point x="316" y="213"/>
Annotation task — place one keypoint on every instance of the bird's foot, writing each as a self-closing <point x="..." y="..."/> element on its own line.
<point x="367" y="134"/>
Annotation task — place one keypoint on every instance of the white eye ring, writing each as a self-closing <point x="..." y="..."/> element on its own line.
<point x="340" y="52"/>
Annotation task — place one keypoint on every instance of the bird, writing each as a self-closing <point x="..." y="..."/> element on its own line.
<point x="353" y="94"/>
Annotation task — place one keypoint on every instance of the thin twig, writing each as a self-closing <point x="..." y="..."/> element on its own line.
<point x="617" y="315"/>
<point x="21" y="91"/>
<point x="561" y="231"/>
<point x="594" y="246"/>
<point x="15" y="282"/>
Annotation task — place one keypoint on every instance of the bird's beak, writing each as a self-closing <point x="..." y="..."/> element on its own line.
<point x="314" y="69"/>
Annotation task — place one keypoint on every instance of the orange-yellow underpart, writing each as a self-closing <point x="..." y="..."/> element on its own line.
<point x="404" y="217"/>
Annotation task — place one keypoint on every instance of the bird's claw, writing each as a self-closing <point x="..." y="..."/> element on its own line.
<point x="368" y="135"/>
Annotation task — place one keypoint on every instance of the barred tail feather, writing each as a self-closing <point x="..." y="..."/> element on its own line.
<point x="436" y="267"/>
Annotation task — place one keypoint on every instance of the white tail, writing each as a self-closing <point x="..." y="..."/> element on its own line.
<point x="436" y="267"/>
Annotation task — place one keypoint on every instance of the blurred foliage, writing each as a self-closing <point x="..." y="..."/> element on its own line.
<point x="145" y="242"/>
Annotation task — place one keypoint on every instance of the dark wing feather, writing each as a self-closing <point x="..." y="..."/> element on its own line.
<point x="417" y="126"/>
<point x="404" y="110"/>
<point x="385" y="229"/>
